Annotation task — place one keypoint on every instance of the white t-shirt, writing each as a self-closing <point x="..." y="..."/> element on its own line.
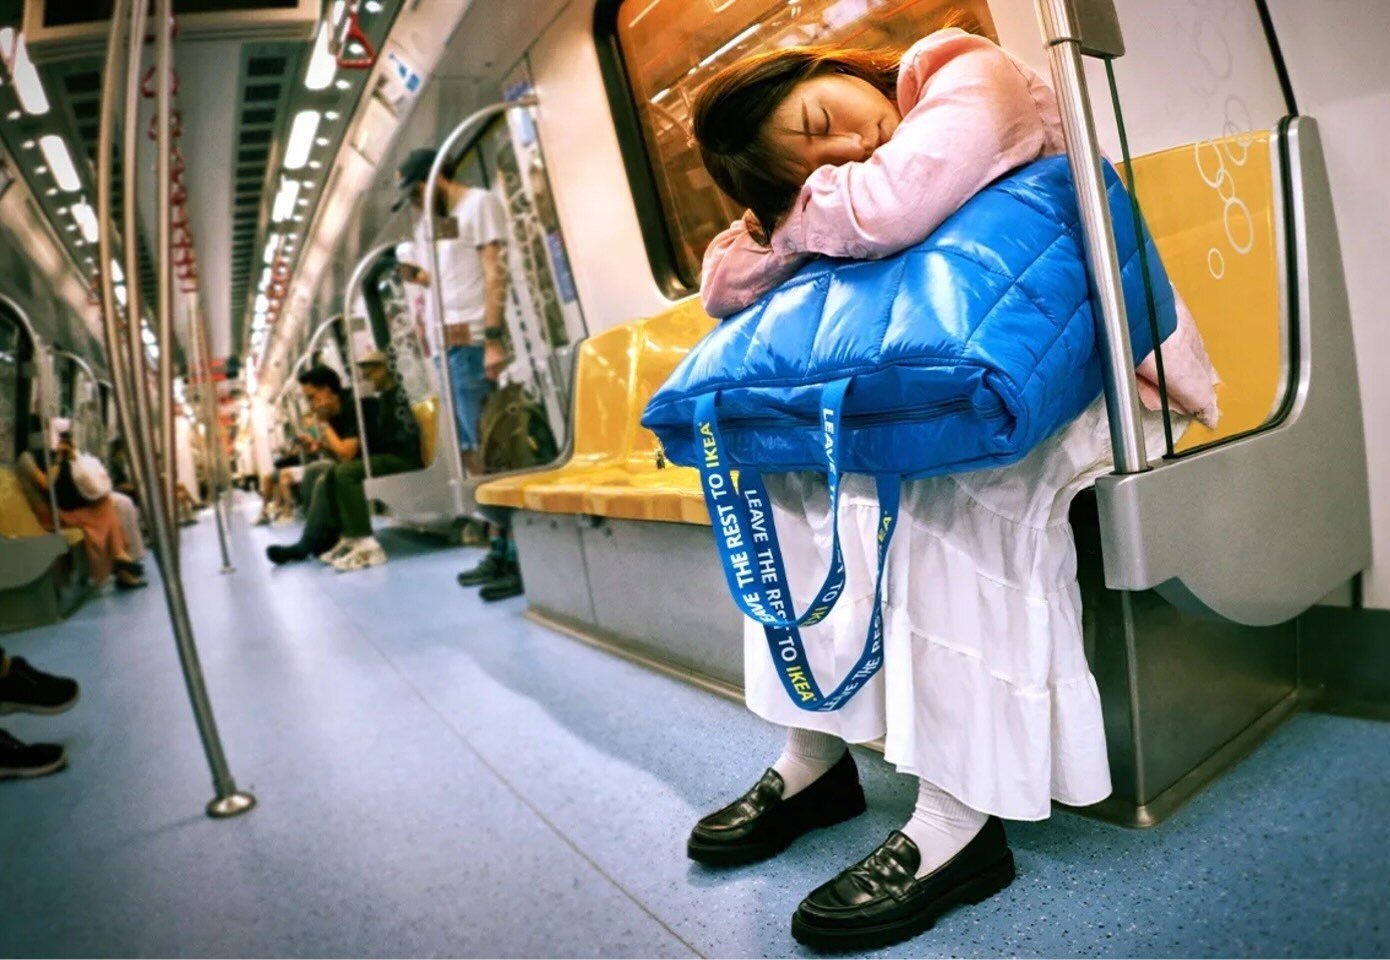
<point x="481" y="220"/>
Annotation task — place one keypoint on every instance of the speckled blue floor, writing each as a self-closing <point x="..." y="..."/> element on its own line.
<point x="437" y="776"/>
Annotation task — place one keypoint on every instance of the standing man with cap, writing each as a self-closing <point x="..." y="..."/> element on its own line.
<point x="471" y="234"/>
<point x="474" y="286"/>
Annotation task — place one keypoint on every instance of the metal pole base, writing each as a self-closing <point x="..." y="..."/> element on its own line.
<point x="232" y="805"/>
<point x="229" y="569"/>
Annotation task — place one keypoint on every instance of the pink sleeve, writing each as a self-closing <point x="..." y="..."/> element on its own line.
<point x="1189" y="375"/>
<point x="973" y="117"/>
<point x="738" y="270"/>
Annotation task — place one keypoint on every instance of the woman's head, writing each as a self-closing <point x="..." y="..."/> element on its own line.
<point x="765" y="123"/>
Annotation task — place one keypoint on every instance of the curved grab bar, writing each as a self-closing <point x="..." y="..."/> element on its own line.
<point x="359" y="273"/>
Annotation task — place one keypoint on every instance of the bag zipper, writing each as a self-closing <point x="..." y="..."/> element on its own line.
<point x="917" y="413"/>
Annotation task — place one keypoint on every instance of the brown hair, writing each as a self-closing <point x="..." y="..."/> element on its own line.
<point x="732" y="109"/>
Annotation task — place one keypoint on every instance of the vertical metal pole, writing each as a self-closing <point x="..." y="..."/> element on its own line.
<point x="135" y="416"/>
<point x="163" y="258"/>
<point x="198" y="346"/>
<point x="1062" y="35"/>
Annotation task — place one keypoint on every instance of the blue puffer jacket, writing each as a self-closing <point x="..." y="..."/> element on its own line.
<point x="965" y="351"/>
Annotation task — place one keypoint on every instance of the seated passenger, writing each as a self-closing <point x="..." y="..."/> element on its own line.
<point x="102" y="535"/>
<point x="334" y="434"/>
<point x="24" y="689"/>
<point x="985" y="693"/>
<point x="393" y="446"/>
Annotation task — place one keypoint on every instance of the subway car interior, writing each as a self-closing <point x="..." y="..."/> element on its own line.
<point x="374" y="580"/>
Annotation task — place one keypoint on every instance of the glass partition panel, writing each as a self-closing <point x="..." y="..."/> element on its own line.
<point x="671" y="47"/>
<point x="1206" y="175"/>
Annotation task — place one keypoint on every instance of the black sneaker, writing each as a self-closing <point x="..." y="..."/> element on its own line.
<point x="286" y="553"/>
<point x="492" y="567"/>
<point x="26" y="690"/>
<point x="506" y="586"/>
<point x="880" y="900"/>
<point x="18" y="759"/>
<point x="761" y="824"/>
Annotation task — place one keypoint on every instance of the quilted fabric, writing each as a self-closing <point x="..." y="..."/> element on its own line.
<point x="965" y="350"/>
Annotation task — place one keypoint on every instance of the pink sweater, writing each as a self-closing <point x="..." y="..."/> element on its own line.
<point x="971" y="112"/>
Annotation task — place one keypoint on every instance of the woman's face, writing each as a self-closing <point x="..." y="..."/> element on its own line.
<point x="833" y="119"/>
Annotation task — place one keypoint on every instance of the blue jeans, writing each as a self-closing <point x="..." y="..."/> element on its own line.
<point x="471" y="389"/>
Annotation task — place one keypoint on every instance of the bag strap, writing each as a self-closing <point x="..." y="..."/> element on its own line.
<point x="741" y="515"/>
<point x="785" y="646"/>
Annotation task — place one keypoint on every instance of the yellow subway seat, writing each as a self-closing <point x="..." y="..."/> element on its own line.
<point x="1211" y="207"/>
<point x="671" y="495"/>
<point x="602" y="396"/>
<point x="17" y="518"/>
<point x="426" y="413"/>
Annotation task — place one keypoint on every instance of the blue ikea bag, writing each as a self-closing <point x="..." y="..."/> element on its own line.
<point x="962" y="352"/>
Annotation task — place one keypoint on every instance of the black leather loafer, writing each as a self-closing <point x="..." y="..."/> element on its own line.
<point x="761" y="824"/>
<point x="879" y="901"/>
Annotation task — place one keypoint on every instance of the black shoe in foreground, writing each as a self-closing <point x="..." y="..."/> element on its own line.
<point x="19" y="759"/>
<point x="279" y="553"/>
<point x="26" y="690"/>
<point x="491" y="567"/>
<point x="761" y="824"/>
<point x="505" y="586"/>
<point x="879" y="901"/>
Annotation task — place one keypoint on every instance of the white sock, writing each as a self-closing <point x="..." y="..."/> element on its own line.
<point x="805" y="758"/>
<point x="941" y="826"/>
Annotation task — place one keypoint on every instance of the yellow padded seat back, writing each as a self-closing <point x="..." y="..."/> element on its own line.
<point x="663" y="341"/>
<point x="426" y="417"/>
<point x="1211" y="207"/>
<point x="603" y="393"/>
<point x="16" y="516"/>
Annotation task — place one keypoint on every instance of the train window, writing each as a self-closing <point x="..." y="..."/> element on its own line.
<point x="668" y="48"/>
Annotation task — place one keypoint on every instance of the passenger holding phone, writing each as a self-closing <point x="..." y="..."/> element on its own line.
<point x="332" y="430"/>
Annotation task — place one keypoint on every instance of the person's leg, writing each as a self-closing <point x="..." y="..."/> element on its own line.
<point x="130" y="525"/>
<point x="471" y="388"/>
<point x="355" y="515"/>
<point x="269" y="482"/>
<point x="321" y="528"/>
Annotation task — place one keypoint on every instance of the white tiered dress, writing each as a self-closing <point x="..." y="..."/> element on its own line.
<point x="985" y="690"/>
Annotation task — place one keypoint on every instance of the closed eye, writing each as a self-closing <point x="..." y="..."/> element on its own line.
<point x="826" y="113"/>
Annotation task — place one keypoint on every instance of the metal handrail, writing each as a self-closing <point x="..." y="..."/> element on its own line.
<point x="164" y="254"/>
<point x="1062" y="36"/>
<point x="472" y="125"/>
<point x="36" y="342"/>
<point x="134" y="410"/>
<point x="198" y="347"/>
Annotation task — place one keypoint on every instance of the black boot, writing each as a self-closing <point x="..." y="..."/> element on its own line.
<point x="26" y="690"/>
<point x="491" y="567"/>
<point x="880" y="901"/>
<point x="505" y="586"/>
<point x="18" y="759"/>
<point x="761" y="824"/>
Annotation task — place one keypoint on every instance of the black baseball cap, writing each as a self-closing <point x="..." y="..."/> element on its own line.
<point x="415" y="168"/>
